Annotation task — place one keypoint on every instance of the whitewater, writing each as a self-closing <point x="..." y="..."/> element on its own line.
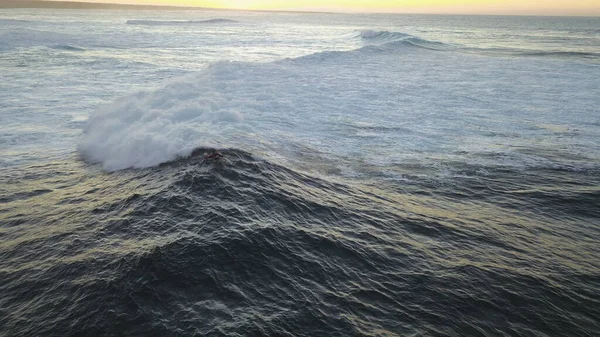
<point x="383" y="174"/>
<point x="352" y="93"/>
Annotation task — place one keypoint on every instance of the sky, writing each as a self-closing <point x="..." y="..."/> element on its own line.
<point x="536" y="7"/>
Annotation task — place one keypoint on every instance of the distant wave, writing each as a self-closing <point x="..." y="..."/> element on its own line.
<point x="397" y="39"/>
<point x="177" y="23"/>
<point x="515" y="52"/>
<point x="67" y="47"/>
<point x="562" y="54"/>
<point x="368" y="34"/>
<point x="584" y="31"/>
<point x="388" y="38"/>
<point x="12" y="21"/>
<point x="16" y="37"/>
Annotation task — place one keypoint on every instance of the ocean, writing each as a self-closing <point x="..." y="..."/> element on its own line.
<point x="383" y="175"/>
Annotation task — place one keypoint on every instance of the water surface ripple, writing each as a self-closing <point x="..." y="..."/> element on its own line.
<point x="243" y="246"/>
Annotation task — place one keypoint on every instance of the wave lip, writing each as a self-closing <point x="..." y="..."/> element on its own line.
<point x="368" y="34"/>
<point x="178" y="22"/>
<point x="388" y="39"/>
<point x="391" y="39"/>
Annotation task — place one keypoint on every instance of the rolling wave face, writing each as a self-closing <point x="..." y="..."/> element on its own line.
<point x="324" y="107"/>
<point x="385" y="36"/>
<point x="398" y="39"/>
<point x="244" y="246"/>
<point x="178" y="23"/>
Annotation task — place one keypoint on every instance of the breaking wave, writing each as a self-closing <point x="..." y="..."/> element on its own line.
<point x="299" y="111"/>
<point x="391" y="39"/>
<point x="395" y="39"/>
<point x="368" y="34"/>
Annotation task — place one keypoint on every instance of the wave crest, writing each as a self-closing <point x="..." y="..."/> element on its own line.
<point x="384" y="35"/>
<point x="391" y="39"/>
<point x="388" y="39"/>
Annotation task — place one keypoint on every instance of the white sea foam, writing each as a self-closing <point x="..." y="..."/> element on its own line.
<point x="358" y="98"/>
<point x="363" y="106"/>
<point x="147" y="129"/>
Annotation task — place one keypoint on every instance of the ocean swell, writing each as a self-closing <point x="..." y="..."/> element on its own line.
<point x="387" y="39"/>
<point x="561" y="54"/>
<point x="244" y="246"/>
<point x="67" y="47"/>
<point x="178" y="23"/>
<point x="256" y="107"/>
<point x="378" y="35"/>
<point x="321" y="111"/>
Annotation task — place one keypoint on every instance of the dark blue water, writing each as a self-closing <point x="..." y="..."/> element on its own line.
<point x="405" y="176"/>
<point x="242" y="246"/>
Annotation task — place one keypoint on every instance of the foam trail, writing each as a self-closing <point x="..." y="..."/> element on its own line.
<point x="369" y="105"/>
<point x="271" y="108"/>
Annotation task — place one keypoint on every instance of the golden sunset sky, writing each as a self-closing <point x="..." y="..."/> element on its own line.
<point x="541" y="7"/>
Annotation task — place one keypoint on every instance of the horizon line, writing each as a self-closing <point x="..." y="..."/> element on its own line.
<point x="82" y="5"/>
